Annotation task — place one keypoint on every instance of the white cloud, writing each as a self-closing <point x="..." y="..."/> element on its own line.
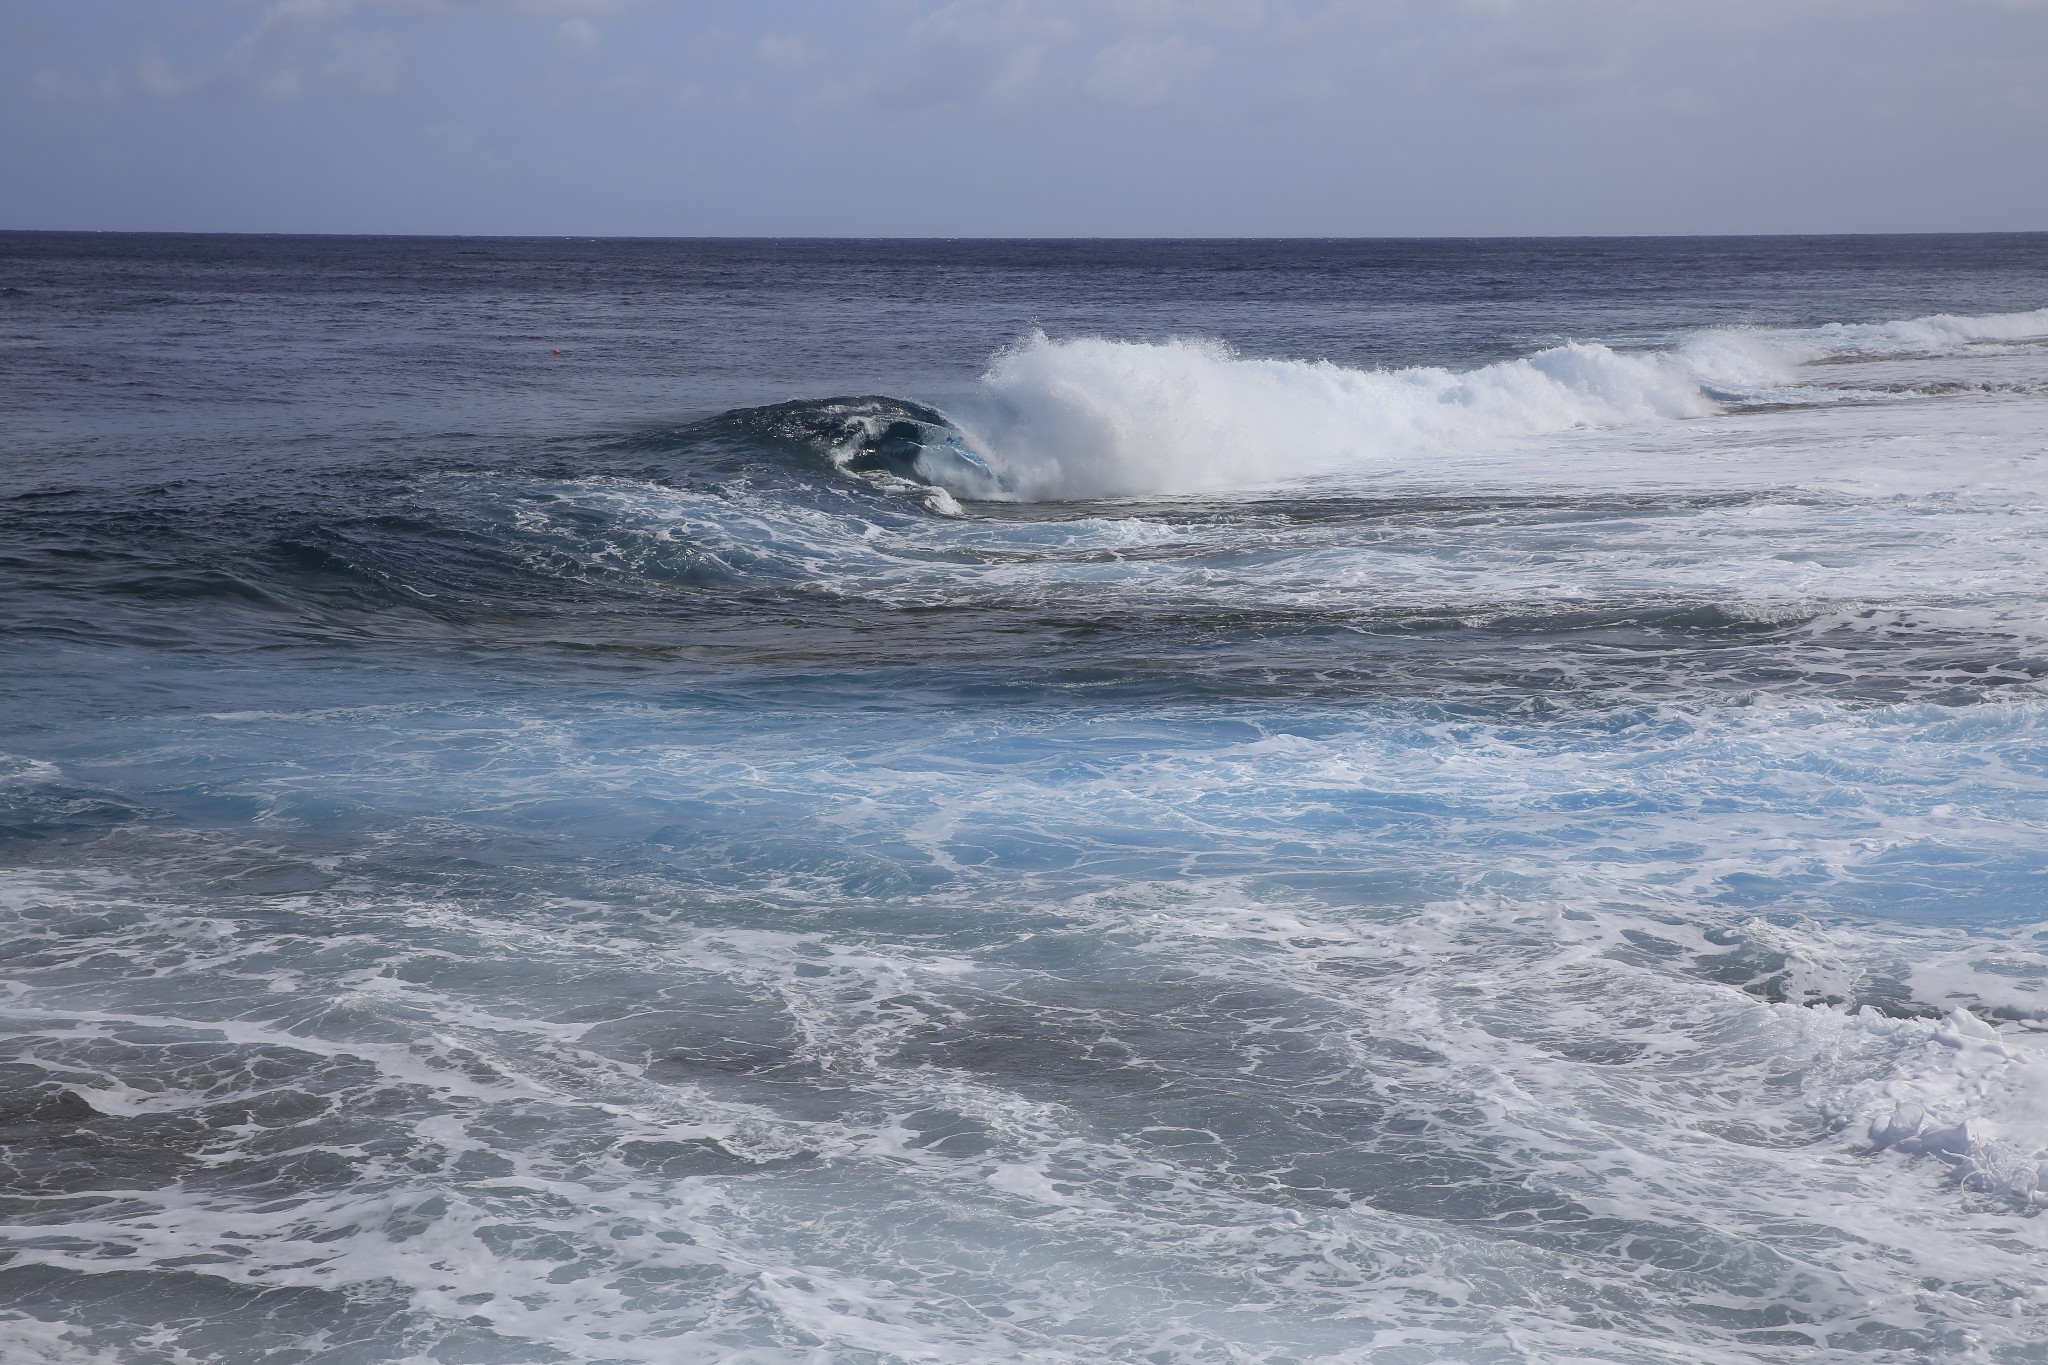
<point x="299" y="46"/>
<point x="970" y="52"/>
<point x="295" y="45"/>
<point x="984" y="52"/>
<point x="270" y="62"/>
<point x="505" y="9"/>
<point x="1141" y="71"/>
<point x="1169" y="13"/>
<point x="567" y="72"/>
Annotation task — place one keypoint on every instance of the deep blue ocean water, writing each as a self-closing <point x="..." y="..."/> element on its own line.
<point x="672" y="801"/>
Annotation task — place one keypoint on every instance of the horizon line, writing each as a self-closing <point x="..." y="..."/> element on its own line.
<point x="1033" y="237"/>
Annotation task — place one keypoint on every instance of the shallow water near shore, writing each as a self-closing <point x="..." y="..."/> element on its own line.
<point x="1174" y="802"/>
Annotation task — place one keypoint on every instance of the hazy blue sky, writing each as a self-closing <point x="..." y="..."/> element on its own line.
<point x="1028" y="117"/>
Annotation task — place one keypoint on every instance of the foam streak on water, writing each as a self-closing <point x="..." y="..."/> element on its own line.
<point x="1528" y="847"/>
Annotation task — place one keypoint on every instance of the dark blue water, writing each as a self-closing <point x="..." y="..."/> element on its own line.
<point x="1061" y="801"/>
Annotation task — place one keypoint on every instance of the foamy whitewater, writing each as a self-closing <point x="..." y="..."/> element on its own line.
<point x="1092" y="417"/>
<point x="1207" y="802"/>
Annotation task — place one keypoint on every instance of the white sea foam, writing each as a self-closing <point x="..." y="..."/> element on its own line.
<point x="1668" y="1127"/>
<point x="1938" y="334"/>
<point x="19" y="772"/>
<point x="1970" y="1095"/>
<point x="1079" y="1097"/>
<point x="1096" y="417"/>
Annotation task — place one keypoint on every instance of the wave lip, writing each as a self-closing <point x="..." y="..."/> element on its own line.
<point x="883" y="440"/>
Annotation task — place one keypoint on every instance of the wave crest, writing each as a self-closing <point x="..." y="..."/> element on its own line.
<point x="1095" y="417"/>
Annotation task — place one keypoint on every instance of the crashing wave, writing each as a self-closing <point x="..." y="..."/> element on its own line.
<point x="1092" y="417"/>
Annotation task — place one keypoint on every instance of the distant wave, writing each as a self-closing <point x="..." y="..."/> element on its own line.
<point x="1094" y="417"/>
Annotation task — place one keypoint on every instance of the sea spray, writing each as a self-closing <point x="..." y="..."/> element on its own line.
<point x="1096" y="417"/>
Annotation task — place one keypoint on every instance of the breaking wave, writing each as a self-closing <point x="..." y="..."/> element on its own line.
<point x="1091" y="417"/>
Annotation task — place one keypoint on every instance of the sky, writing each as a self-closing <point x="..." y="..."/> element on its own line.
<point x="1025" y="117"/>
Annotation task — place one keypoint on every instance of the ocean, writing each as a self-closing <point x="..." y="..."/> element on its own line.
<point x="619" y="802"/>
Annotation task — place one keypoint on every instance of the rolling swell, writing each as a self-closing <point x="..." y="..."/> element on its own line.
<point x="1091" y="417"/>
<point x="781" y="571"/>
<point x="743" y="543"/>
<point x="826" y="533"/>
